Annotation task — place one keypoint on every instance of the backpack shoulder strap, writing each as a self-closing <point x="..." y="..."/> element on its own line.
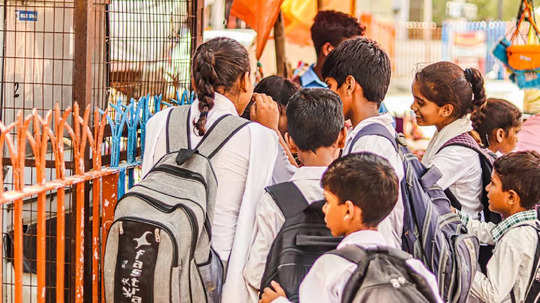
<point x="288" y="198"/>
<point x="178" y="124"/>
<point x="374" y="129"/>
<point x="220" y="133"/>
<point x="351" y="253"/>
<point x="466" y="140"/>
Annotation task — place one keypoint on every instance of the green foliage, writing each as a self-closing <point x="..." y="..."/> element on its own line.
<point x="487" y="10"/>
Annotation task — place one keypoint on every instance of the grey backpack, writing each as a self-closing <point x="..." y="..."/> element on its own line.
<point x="383" y="275"/>
<point x="158" y="248"/>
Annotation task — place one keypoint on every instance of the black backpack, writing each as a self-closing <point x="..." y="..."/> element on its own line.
<point x="302" y="239"/>
<point x="383" y="275"/>
<point x="486" y="163"/>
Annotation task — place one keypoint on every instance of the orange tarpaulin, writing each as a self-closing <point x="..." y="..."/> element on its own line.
<point x="260" y="15"/>
<point x="298" y="16"/>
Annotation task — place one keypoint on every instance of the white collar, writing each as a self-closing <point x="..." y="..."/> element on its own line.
<point x="222" y="105"/>
<point x="456" y="128"/>
<point x="363" y="238"/>
<point x="309" y="173"/>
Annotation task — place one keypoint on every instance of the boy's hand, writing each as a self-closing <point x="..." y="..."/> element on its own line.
<point x="265" y="111"/>
<point x="270" y="294"/>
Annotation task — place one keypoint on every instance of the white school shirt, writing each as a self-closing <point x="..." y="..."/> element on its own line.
<point x="460" y="167"/>
<point x="325" y="281"/>
<point x="392" y="226"/>
<point x="511" y="264"/>
<point x="230" y="164"/>
<point x="268" y="222"/>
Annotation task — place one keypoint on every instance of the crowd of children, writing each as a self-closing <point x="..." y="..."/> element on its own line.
<point x="301" y="137"/>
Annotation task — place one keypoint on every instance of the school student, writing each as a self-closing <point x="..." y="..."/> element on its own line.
<point x="243" y="167"/>
<point x="444" y="94"/>
<point x="280" y="90"/>
<point x="497" y="125"/>
<point x="513" y="193"/>
<point x="316" y="133"/>
<point x="358" y="70"/>
<point x="329" y="29"/>
<point x="351" y="184"/>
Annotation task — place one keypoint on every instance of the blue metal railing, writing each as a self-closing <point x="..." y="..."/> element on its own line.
<point x="133" y="117"/>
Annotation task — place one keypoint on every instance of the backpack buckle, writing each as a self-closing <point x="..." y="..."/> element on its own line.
<point x="184" y="154"/>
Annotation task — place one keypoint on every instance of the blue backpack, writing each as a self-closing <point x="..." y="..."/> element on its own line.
<point x="432" y="233"/>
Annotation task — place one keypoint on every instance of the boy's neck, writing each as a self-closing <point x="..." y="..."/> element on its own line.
<point x="363" y="109"/>
<point x="317" y="68"/>
<point x="362" y="228"/>
<point x="323" y="156"/>
<point x="513" y="212"/>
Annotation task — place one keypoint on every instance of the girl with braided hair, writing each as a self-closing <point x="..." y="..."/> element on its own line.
<point x="444" y="94"/>
<point x="244" y="165"/>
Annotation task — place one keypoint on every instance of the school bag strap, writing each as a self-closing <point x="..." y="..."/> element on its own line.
<point x="466" y="140"/>
<point x="213" y="140"/>
<point x="374" y="129"/>
<point x="486" y="163"/>
<point x="288" y="198"/>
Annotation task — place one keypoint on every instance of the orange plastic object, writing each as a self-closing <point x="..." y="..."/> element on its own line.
<point x="260" y="15"/>
<point x="524" y="57"/>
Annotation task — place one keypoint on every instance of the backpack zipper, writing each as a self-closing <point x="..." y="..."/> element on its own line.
<point x="179" y="172"/>
<point x="161" y="207"/>
<point x="207" y="226"/>
<point x="184" y="173"/>
<point x="156" y="224"/>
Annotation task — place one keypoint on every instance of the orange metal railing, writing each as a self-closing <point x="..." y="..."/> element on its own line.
<point x="41" y="133"/>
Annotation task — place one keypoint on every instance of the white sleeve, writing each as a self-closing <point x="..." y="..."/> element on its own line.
<point x="283" y="169"/>
<point x="155" y="141"/>
<point x="417" y="266"/>
<point x="504" y="266"/>
<point x="454" y="162"/>
<point x="326" y="279"/>
<point x="268" y="222"/>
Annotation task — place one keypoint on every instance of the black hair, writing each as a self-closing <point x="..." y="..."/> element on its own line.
<point x="520" y="171"/>
<point x="495" y="114"/>
<point x="314" y="118"/>
<point x="217" y="63"/>
<point x="446" y="83"/>
<point x="277" y="87"/>
<point x="334" y="27"/>
<point x="363" y="59"/>
<point x="368" y="181"/>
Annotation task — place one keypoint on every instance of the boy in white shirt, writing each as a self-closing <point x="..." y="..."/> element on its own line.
<point x="514" y="192"/>
<point x="358" y="70"/>
<point x="316" y="133"/>
<point x="351" y="185"/>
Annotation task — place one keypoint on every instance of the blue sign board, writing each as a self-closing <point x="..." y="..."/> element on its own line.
<point x="27" y="15"/>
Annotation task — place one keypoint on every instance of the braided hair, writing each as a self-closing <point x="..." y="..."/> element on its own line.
<point x="217" y="63"/>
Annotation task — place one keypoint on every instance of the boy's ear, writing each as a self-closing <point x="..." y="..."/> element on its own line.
<point x="327" y="48"/>
<point x="349" y="211"/>
<point x="350" y="86"/>
<point x="292" y="146"/>
<point x="342" y="137"/>
<point x="513" y="198"/>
